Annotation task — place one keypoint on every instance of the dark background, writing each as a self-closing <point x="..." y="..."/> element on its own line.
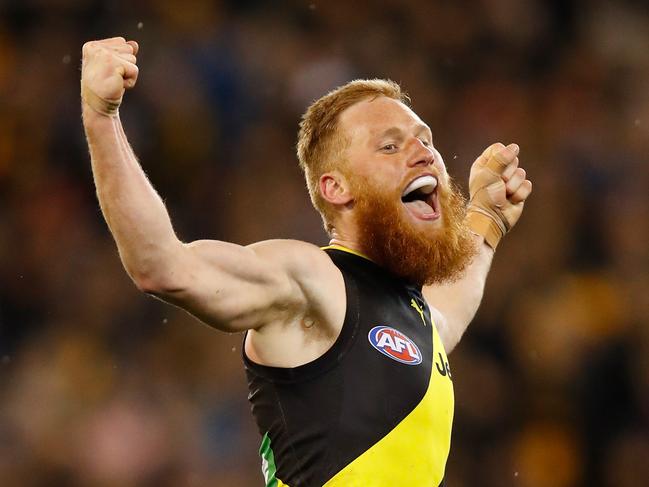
<point x="102" y="386"/>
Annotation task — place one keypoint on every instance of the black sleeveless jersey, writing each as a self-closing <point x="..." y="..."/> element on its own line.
<point x="376" y="409"/>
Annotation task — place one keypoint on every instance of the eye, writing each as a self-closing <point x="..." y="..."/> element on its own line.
<point x="426" y="143"/>
<point x="389" y="147"/>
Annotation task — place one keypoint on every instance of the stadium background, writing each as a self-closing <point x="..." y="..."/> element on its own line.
<point x="102" y="386"/>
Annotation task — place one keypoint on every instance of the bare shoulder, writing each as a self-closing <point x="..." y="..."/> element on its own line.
<point x="310" y="267"/>
<point x="288" y="250"/>
<point x="303" y="261"/>
<point x="320" y="281"/>
<point x="309" y="333"/>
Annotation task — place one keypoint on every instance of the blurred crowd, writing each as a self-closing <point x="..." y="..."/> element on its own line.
<point x="103" y="386"/>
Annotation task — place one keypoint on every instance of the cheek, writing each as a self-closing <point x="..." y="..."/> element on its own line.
<point x="377" y="176"/>
<point x="439" y="161"/>
<point x="358" y="166"/>
<point x="377" y="189"/>
<point x="445" y="177"/>
<point x="441" y="167"/>
<point x="388" y="183"/>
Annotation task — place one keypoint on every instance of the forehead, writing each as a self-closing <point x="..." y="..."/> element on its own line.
<point x="371" y="117"/>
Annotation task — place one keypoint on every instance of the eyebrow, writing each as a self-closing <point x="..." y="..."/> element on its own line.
<point x="391" y="132"/>
<point x="397" y="132"/>
<point x="422" y="127"/>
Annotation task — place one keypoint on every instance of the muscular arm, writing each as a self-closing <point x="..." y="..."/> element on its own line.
<point x="226" y="285"/>
<point x="454" y="305"/>
<point x="135" y="214"/>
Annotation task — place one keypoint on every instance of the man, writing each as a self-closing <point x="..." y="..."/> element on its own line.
<point x="345" y="346"/>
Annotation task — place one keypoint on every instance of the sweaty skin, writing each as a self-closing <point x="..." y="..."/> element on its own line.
<point x="287" y="293"/>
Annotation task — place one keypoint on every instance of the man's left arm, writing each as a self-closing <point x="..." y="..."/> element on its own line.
<point x="454" y="305"/>
<point x="498" y="189"/>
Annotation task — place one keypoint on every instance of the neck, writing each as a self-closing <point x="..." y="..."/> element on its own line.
<point x="347" y="249"/>
<point x="345" y="239"/>
<point x="347" y="242"/>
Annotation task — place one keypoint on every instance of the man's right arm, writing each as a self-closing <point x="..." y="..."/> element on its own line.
<point x="227" y="286"/>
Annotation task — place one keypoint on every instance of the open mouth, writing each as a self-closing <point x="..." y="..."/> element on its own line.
<point x="421" y="198"/>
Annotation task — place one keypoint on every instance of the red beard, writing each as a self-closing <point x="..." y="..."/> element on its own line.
<point x="422" y="256"/>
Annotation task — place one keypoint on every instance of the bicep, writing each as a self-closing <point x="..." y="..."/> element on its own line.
<point x="228" y="286"/>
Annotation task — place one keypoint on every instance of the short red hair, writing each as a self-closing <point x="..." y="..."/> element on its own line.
<point x="320" y="145"/>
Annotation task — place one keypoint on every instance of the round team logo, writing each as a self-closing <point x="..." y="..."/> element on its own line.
<point x="394" y="344"/>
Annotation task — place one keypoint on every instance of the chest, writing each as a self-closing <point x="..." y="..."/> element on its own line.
<point x="396" y="354"/>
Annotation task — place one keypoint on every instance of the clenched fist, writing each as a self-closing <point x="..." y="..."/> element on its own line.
<point x="498" y="190"/>
<point x="108" y="69"/>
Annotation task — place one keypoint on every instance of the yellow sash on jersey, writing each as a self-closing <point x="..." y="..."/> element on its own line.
<point x="415" y="451"/>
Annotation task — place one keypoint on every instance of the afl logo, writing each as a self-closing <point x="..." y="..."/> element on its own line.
<point x="395" y="345"/>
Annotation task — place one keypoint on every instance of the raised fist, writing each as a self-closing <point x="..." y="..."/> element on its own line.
<point x="498" y="189"/>
<point x="108" y="69"/>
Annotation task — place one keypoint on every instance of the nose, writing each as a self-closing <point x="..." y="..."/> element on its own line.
<point x="423" y="155"/>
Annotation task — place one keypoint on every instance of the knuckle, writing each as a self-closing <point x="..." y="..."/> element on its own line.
<point x="89" y="47"/>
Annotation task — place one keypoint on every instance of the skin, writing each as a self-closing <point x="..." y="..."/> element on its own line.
<point x="287" y="294"/>
<point x="390" y="146"/>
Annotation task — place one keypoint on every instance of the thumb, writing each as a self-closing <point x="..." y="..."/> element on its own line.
<point x="500" y="158"/>
<point x="486" y="154"/>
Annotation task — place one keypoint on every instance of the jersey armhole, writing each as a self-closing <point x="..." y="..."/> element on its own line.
<point x="332" y="357"/>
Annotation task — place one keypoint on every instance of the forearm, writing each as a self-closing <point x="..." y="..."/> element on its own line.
<point x="134" y="212"/>
<point x="458" y="302"/>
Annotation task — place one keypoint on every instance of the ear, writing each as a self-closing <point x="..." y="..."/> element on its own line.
<point x="334" y="188"/>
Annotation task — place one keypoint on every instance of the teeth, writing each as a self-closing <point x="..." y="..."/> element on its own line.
<point x="426" y="184"/>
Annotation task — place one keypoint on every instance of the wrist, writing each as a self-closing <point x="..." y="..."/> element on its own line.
<point x="485" y="225"/>
<point x="101" y="106"/>
<point x="95" y="122"/>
